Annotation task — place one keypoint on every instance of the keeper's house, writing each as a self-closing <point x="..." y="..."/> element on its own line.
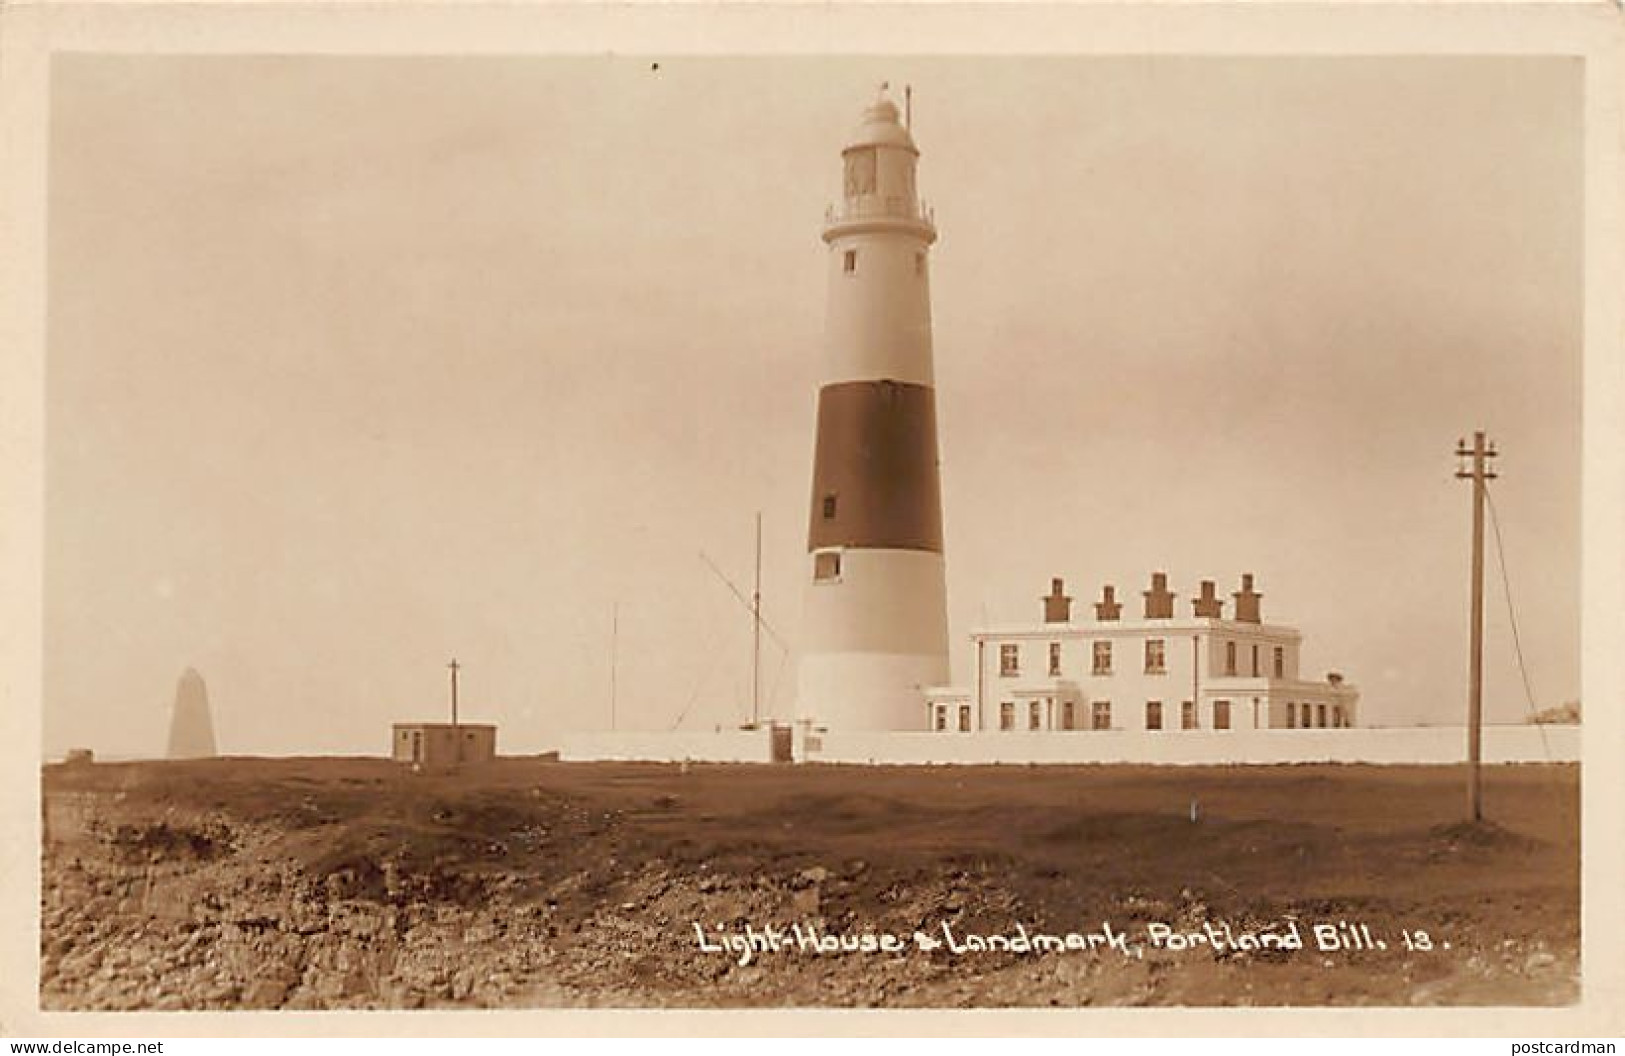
<point x="1154" y="672"/>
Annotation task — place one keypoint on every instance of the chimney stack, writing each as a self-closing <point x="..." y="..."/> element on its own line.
<point x="1058" y="604"/>
<point x="1108" y="607"/>
<point x="1248" y="609"/>
<point x="1208" y="605"/>
<point x="1159" y="602"/>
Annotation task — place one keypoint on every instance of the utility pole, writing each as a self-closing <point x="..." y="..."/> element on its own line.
<point x="456" y="734"/>
<point x="1479" y="473"/>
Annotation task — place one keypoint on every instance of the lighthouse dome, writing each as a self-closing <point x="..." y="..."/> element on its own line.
<point x="883" y="127"/>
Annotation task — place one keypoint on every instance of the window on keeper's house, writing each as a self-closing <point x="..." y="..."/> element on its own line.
<point x="1103" y="658"/>
<point x="1153" y="714"/>
<point x="1229" y="658"/>
<point x="1007" y="716"/>
<point x="1055" y="658"/>
<point x="1280" y="662"/>
<point x="1100" y="715"/>
<point x="1256" y="669"/>
<point x="1221" y="714"/>
<point x="1035" y="715"/>
<point x="826" y="566"/>
<point x="964" y="718"/>
<point x="1069" y="716"/>
<point x="942" y="717"/>
<point x="1156" y="656"/>
<point x="1187" y="715"/>
<point x="1009" y="659"/>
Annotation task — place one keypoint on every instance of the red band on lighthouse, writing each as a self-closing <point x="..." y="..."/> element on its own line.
<point x="875" y="470"/>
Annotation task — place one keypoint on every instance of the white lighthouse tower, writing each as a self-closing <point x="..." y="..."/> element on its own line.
<point x="875" y="628"/>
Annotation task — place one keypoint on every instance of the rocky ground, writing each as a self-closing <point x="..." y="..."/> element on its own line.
<point x="321" y="884"/>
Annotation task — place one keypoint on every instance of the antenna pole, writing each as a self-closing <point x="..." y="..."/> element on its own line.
<point x="756" y="632"/>
<point x="1479" y="473"/>
<point x="456" y="732"/>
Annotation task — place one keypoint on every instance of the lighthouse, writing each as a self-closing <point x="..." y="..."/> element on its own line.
<point x="875" y="627"/>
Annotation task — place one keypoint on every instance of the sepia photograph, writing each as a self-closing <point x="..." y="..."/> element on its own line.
<point x="867" y="529"/>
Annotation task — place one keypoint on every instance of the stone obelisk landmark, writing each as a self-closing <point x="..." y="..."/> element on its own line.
<point x="875" y="620"/>
<point x="191" y="730"/>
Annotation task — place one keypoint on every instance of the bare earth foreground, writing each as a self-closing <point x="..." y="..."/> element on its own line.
<point x="352" y="883"/>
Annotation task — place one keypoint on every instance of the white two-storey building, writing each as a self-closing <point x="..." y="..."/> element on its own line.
<point x="1153" y="670"/>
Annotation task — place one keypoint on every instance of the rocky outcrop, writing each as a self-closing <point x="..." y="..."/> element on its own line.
<point x="354" y="885"/>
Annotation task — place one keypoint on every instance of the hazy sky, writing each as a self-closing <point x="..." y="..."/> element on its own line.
<point x="356" y="364"/>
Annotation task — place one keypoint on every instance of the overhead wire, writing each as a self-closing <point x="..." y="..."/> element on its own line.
<point x="1512" y="621"/>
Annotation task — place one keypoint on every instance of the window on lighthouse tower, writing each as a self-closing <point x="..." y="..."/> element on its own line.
<point x="860" y="173"/>
<point x="849" y="263"/>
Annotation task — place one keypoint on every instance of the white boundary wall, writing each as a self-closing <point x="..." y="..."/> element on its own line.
<point x="726" y="746"/>
<point x="1392" y="744"/>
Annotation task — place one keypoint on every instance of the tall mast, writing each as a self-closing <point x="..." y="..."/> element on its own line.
<point x="456" y="732"/>
<point x="756" y="631"/>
